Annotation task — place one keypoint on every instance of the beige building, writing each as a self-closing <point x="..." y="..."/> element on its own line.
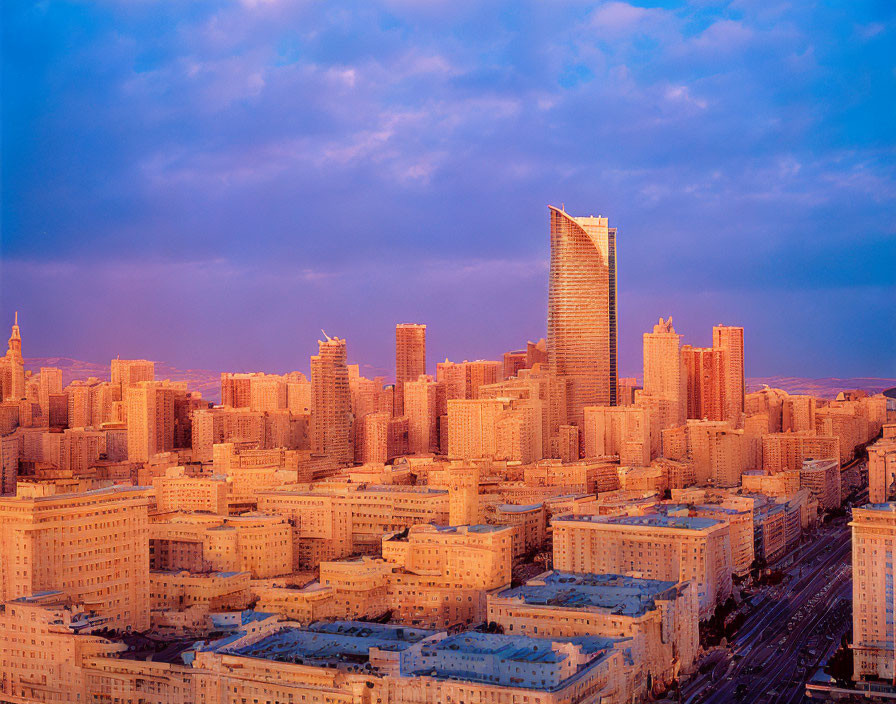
<point x="92" y="546"/>
<point x="177" y="590"/>
<point x="654" y="546"/>
<point x="661" y="617"/>
<point x="444" y="574"/>
<point x="882" y="468"/>
<point x="623" y="431"/>
<point x="178" y="491"/>
<point x="873" y="605"/>
<point x="582" y="310"/>
<point x="12" y="367"/>
<point x="421" y="408"/>
<point x="783" y="451"/>
<point x="127" y="373"/>
<point x="410" y="359"/>
<point x="705" y="370"/>
<point x="331" y="421"/>
<point x="199" y="542"/>
<point x="730" y="340"/>
<point x="664" y="373"/>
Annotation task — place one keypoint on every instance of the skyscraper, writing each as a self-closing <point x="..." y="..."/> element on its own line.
<point x="150" y="407"/>
<point x="582" y="310"/>
<point x="12" y="367"/>
<point x="331" y="404"/>
<point x="705" y="369"/>
<point x="664" y="374"/>
<point x="410" y="359"/>
<point x="731" y="340"/>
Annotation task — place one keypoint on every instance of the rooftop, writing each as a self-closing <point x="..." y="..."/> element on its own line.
<point x="628" y="596"/>
<point x="331" y="644"/>
<point x="653" y="520"/>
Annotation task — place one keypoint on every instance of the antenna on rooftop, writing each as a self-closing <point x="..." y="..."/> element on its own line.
<point x="329" y="339"/>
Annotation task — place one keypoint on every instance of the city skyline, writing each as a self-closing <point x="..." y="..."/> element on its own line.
<point x="246" y="165"/>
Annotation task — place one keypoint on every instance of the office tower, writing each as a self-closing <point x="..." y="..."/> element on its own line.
<point x="420" y="407"/>
<point x="664" y="374"/>
<point x="331" y="405"/>
<point x="80" y="409"/>
<point x="731" y="340"/>
<point x="93" y="546"/>
<point x="410" y="359"/>
<point x="374" y="440"/>
<point x="151" y="419"/>
<point x="582" y="310"/>
<point x="9" y="464"/>
<point x="12" y="367"/>
<point x="705" y="370"/>
<point x="463" y="495"/>
<point x="130" y="372"/>
<point x="873" y="606"/>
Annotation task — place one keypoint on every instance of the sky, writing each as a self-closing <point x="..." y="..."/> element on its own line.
<point x="210" y="184"/>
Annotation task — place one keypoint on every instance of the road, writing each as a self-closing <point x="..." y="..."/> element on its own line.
<point x="768" y="658"/>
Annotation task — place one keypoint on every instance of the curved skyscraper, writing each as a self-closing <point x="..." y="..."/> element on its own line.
<point x="582" y="310"/>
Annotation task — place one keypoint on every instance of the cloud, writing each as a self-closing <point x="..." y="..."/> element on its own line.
<point x="295" y="142"/>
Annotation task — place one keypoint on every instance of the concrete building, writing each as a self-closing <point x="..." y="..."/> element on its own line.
<point x="730" y="340"/>
<point x="12" y="367"/>
<point x="664" y="373"/>
<point x="822" y="479"/>
<point x="92" y="546"/>
<point x="331" y="421"/>
<point x="882" y="469"/>
<point x="783" y="451"/>
<point x="661" y="617"/>
<point x="421" y="408"/>
<point x="655" y="546"/>
<point x="705" y="370"/>
<point x="582" y="310"/>
<point x="873" y="605"/>
<point x="199" y="542"/>
<point x="127" y="373"/>
<point x="623" y="431"/>
<point x="410" y="359"/>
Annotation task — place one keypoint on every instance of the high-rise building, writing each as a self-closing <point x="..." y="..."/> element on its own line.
<point x="730" y="339"/>
<point x="410" y="359"/>
<point x="582" y="310"/>
<point x="705" y="369"/>
<point x="420" y="407"/>
<point x="873" y="606"/>
<point x="130" y="372"/>
<point x="93" y="546"/>
<point x="151" y="419"/>
<point x="331" y="405"/>
<point x="664" y="374"/>
<point x="50" y="381"/>
<point x="463" y="495"/>
<point x="12" y="367"/>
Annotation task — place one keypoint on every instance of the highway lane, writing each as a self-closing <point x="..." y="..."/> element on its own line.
<point x="766" y="652"/>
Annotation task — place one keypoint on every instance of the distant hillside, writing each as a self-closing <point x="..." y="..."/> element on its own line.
<point x="823" y="388"/>
<point x="209" y="382"/>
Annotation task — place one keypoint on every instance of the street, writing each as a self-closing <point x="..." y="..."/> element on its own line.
<point x="771" y="653"/>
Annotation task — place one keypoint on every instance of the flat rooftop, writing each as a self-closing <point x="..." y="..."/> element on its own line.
<point x="495" y="659"/>
<point x="618" y="594"/>
<point x="653" y="520"/>
<point x="331" y="644"/>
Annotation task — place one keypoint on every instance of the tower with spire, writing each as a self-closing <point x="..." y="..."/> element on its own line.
<point x="12" y="366"/>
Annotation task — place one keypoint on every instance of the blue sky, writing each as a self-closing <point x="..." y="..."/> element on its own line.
<point x="211" y="183"/>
